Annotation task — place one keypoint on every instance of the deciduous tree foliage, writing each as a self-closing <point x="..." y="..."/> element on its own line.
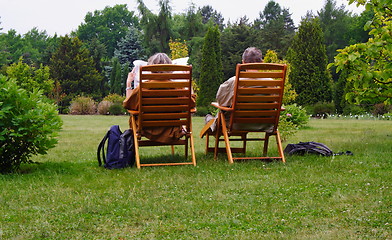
<point x="369" y="65"/>
<point x="307" y="56"/>
<point x="108" y="25"/>
<point x="30" y="78"/>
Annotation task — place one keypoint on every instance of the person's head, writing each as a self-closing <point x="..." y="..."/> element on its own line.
<point x="159" y="58"/>
<point x="252" y="55"/>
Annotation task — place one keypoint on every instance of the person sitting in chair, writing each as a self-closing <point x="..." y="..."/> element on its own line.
<point x="225" y="93"/>
<point x="161" y="134"/>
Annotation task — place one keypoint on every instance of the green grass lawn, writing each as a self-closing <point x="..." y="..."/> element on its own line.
<point x="67" y="196"/>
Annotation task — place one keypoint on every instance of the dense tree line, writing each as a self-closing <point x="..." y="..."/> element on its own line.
<point x="94" y="60"/>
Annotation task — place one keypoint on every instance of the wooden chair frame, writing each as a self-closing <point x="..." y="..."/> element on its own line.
<point x="165" y="95"/>
<point x="258" y="94"/>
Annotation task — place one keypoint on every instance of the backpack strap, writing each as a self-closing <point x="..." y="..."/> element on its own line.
<point x="101" y="149"/>
<point x="321" y="148"/>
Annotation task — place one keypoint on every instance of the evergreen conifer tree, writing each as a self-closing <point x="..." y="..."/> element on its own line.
<point x="307" y="56"/>
<point x="115" y="77"/>
<point x="211" y="75"/>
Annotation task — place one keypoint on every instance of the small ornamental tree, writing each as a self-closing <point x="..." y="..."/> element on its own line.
<point x="178" y="49"/>
<point x="289" y="93"/>
<point x="28" y="125"/>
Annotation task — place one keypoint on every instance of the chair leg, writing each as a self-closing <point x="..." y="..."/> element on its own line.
<point x="207" y="142"/>
<point x="227" y="141"/>
<point x="266" y="140"/>
<point x="193" y="150"/>
<point x="243" y="137"/>
<point x="217" y="134"/>
<point x="136" y="142"/>
<point x="172" y="150"/>
<point x="280" y="149"/>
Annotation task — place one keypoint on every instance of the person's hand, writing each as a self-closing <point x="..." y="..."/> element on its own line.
<point x="131" y="77"/>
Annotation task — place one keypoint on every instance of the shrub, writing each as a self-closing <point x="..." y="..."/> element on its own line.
<point x="116" y="109"/>
<point x="293" y="118"/>
<point x="112" y="104"/>
<point x="83" y="106"/>
<point x="114" y="98"/>
<point x="322" y="109"/>
<point x="387" y="116"/>
<point x="381" y="109"/>
<point x="28" y="125"/>
<point x="103" y="107"/>
<point x="353" y="110"/>
<point x="295" y="114"/>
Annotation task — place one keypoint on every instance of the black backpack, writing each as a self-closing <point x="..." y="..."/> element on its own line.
<point x="308" y="147"/>
<point x="120" y="148"/>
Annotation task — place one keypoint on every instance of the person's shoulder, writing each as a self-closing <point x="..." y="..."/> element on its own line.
<point x="229" y="81"/>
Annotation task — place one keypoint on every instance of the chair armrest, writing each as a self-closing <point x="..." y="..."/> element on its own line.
<point x="133" y="112"/>
<point x="215" y="104"/>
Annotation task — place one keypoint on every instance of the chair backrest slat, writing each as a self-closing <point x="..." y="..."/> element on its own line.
<point x="165" y="96"/>
<point x="258" y="94"/>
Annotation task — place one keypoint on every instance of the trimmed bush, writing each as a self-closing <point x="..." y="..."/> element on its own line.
<point x="321" y="109"/>
<point x="116" y="109"/>
<point x="103" y="107"/>
<point x="83" y="106"/>
<point x="381" y="109"/>
<point x="112" y="104"/>
<point x="114" y="98"/>
<point x="29" y="123"/>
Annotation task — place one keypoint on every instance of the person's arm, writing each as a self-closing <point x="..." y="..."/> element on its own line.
<point x="130" y="79"/>
<point x="224" y="96"/>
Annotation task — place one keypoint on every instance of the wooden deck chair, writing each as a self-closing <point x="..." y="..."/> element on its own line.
<point x="256" y="107"/>
<point x="164" y="102"/>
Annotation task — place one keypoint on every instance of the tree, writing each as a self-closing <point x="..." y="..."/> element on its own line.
<point x="178" y="49"/>
<point x="108" y="26"/>
<point x="243" y="35"/>
<point x="115" y="77"/>
<point x="209" y="14"/>
<point x="369" y="65"/>
<point x="129" y="48"/>
<point x="73" y="68"/>
<point x="289" y="94"/>
<point x="156" y="28"/>
<point x="30" y="78"/>
<point x="211" y="67"/>
<point x="335" y="22"/>
<point x="276" y="28"/>
<point x="307" y="57"/>
<point x="12" y="47"/>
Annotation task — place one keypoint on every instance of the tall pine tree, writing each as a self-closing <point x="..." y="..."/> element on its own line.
<point x="211" y="75"/>
<point x="307" y="56"/>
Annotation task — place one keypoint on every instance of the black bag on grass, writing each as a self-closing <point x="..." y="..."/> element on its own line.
<point x="308" y="147"/>
<point x="120" y="148"/>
